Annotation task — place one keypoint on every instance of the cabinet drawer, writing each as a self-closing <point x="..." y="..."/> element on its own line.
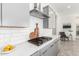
<point x="44" y="49"/>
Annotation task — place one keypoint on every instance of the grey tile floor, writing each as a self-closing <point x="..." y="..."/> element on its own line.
<point x="69" y="48"/>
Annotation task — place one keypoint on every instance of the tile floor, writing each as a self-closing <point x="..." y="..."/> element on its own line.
<point x="69" y="48"/>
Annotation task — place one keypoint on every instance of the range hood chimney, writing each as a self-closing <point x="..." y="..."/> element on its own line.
<point x="35" y="5"/>
<point x="37" y="13"/>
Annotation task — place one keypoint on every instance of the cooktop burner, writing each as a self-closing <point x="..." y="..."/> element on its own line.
<point x="39" y="41"/>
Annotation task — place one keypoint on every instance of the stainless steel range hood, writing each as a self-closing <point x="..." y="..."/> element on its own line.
<point x="38" y="13"/>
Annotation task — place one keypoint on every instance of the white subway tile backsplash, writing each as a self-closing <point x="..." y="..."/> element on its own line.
<point x="46" y="32"/>
<point x="13" y="35"/>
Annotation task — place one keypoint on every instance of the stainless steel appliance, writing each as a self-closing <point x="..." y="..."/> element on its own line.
<point x="39" y="40"/>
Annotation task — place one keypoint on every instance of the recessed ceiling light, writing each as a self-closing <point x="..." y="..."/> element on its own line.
<point x="69" y="6"/>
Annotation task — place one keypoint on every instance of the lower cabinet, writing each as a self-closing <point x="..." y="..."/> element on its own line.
<point x="50" y="50"/>
<point x="55" y="48"/>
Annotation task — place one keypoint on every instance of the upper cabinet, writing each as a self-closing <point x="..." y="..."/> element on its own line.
<point x="15" y="14"/>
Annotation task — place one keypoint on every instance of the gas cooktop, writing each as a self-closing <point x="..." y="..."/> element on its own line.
<point x="39" y="40"/>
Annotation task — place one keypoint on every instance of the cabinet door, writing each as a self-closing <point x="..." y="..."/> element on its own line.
<point x="49" y="51"/>
<point x="15" y="14"/>
<point x="46" y="50"/>
<point x="52" y="50"/>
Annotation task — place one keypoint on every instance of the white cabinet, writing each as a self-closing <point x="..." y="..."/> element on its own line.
<point x="45" y="50"/>
<point x="52" y="49"/>
<point x="15" y="14"/>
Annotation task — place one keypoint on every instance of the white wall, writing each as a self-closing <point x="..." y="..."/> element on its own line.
<point x="59" y="24"/>
<point x="15" y="14"/>
<point x="69" y="19"/>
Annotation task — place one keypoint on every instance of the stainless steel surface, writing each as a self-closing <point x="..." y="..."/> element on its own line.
<point x="38" y="14"/>
<point x="40" y="40"/>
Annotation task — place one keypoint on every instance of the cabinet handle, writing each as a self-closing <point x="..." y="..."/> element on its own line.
<point x="44" y="51"/>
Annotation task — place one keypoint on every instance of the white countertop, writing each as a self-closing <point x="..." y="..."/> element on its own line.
<point x="27" y="49"/>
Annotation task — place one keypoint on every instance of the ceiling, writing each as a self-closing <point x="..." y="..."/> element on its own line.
<point x="66" y="8"/>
